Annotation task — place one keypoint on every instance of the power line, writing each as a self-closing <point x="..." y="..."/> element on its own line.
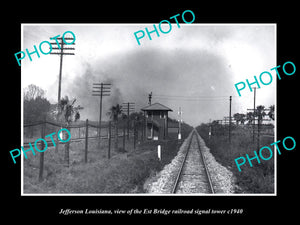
<point x="198" y="96"/>
<point x="192" y="98"/>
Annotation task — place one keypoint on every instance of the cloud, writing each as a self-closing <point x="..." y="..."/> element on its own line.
<point x="195" y="60"/>
<point x="134" y="74"/>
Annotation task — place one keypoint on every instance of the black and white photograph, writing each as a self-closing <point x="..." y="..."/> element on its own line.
<point x="149" y="111"/>
<point x="139" y="109"/>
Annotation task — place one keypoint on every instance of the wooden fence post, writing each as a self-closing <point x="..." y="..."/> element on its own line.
<point x="67" y="148"/>
<point x="124" y="137"/>
<point x="142" y="132"/>
<point x="134" y="135"/>
<point x="43" y="126"/>
<point x="86" y="140"/>
<point x="56" y="141"/>
<point x="109" y="139"/>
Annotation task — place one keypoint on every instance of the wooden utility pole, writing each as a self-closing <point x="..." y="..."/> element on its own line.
<point x="109" y="139"/>
<point x="124" y="137"/>
<point x="134" y="135"/>
<point x="259" y="122"/>
<point x="260" y="119"/>
<point x="41" y="171"/>
<point x="86" y="140"/>
<point x="101" y="90"/>
<point x="229" y="128"/>
<point x="253" y="128"/>
<point x="128" y="107"/>
<point x="254" y="115"/>
<point x="61" y="53"/>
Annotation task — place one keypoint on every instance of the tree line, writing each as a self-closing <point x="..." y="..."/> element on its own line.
<point x="38" y="108"/>
<point x="259" y="113"/>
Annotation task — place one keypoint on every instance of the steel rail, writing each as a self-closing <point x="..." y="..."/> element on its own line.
<point x="205" y="166"/>
<point x="182" y="165"/>
<point x="184" y="161"/>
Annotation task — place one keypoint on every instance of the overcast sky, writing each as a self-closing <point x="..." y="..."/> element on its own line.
<point x="193" y="67"/>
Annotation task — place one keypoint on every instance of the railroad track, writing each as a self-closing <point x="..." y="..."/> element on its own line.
<point x="193" y="175"/>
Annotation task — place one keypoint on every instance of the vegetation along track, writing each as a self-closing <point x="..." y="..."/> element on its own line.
<point x="193" y="175"/>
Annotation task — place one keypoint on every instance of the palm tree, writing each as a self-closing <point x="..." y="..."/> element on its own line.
<point x="68" y="114"/>
<point x="260" y="113"/>
<point x="250" y="117"/>
<point x="114" y="113"/>
<point x="236" y="117"/>
<point x="271" y="112"/>
<point x="239" y="117"/>
<point x="242" y="118"/>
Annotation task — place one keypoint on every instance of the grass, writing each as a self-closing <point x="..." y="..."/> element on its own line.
<point x="123" y="173"/>
<point x="256" y="179"/>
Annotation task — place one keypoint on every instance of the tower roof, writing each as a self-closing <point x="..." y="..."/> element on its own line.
<point x="156" y="107"/>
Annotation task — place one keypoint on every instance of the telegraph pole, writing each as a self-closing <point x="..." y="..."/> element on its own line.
<point x="61" y="53"/>
<point x="101" y="90"/>
<point x="258" y="114"/>
<point x="229" y="129"/>
<point x="129" y="107"/>
<point x="259" y="122"/>
<point x="253" y="129"/>
<point x="254" y="115"/>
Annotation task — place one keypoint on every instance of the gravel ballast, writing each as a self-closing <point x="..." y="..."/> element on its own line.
<point x="162" y="182"/>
